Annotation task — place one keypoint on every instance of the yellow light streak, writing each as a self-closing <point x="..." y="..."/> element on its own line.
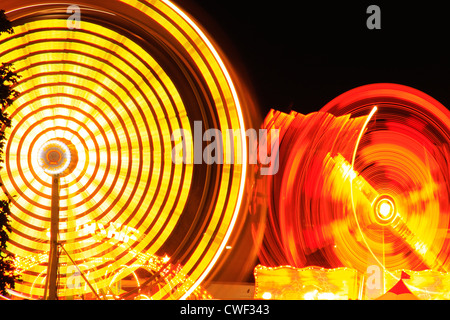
<point x="111" y="98"/>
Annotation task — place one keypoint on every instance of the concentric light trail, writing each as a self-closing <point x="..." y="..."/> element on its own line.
<point x="376" y="146"/>
<point x="116" y="89"/>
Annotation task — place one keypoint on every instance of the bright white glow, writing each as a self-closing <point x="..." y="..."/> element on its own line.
<point x="385" y="209"/>
<point x="326" y="296"/>
<point x="267" y="295"/>
<point x="311" y="295"/>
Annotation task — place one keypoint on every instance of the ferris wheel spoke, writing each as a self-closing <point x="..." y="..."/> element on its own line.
<point x="363" y="190"/>
<point x="422" y="249"/>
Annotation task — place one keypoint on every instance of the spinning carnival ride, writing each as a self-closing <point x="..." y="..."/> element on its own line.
<point x="362" y="182"/>
<point x="101" y="210"/>
<point x="90" y="150"/>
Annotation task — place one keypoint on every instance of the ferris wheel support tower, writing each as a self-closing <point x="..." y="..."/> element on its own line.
<point x="56" y="157"/>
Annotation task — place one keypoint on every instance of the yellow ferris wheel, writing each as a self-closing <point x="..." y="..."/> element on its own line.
<point x="92" y="139"/>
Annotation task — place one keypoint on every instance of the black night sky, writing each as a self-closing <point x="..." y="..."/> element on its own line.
<point x="300" y="55"/>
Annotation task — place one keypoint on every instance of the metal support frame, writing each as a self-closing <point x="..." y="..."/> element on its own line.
<point x="51" y="284"/>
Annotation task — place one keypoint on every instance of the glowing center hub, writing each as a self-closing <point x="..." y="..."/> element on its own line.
<point x="384" y="209"/>
<point x="54" y="157"/>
